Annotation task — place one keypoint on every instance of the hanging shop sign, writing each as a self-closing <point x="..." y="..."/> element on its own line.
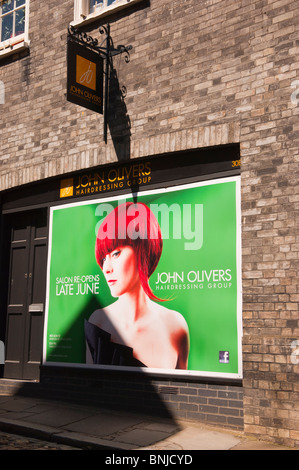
<point x="179" y="249"/>
<point x="86" y="58"/>
<point x="84" y="77"/>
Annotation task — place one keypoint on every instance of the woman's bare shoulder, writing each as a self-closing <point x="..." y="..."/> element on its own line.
<point x="96" y="316"/>
<point x="175" y="320"/>
<point x="100" y="317"/>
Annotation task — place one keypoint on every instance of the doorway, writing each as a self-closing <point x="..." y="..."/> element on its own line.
<point x="27" y="237"/>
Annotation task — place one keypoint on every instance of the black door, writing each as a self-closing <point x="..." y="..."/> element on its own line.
<point x="26" y="294"/>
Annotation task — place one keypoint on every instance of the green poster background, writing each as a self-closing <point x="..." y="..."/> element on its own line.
<point x="202" y="284"/>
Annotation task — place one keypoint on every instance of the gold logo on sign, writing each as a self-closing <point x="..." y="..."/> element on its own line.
<point x="86" y="72"/>
<point x="67" y="187"/>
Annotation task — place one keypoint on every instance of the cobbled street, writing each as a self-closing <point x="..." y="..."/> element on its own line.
<point x="15" y="442"/>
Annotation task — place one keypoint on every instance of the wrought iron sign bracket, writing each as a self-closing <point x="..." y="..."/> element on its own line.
<point x="106" y="51"/>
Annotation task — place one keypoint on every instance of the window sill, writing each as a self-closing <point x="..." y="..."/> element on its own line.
<point x="7" y="48"/>
<point x="84" y="20"/>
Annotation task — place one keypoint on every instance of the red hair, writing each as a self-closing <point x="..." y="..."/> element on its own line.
<point x="132" y="224"/>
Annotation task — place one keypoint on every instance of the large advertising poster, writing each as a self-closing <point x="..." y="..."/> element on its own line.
<point x="148" y="282"/>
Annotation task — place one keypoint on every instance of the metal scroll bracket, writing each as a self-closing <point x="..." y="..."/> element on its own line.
<point x="106" y="51"/>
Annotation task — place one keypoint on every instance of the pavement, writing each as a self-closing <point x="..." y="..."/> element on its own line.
<point x="93" y="428"/>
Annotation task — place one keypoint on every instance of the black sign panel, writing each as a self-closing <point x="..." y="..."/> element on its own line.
<point x="137" y="175"/>
<point x="84" y="77"/>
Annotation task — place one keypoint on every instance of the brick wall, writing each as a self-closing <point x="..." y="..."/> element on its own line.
<point x="201" y="74"/>
<point x="214" y="404"/>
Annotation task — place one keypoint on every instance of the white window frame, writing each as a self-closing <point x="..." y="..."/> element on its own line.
<point x="17" y="43"/>
<point x="83" y="16"/>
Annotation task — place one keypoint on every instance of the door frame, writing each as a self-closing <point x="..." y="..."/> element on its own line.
<point x="8" y="218"/>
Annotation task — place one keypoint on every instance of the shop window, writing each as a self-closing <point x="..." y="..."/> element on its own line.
<point x="89" y="10"/>
<point x="13" y="25"/>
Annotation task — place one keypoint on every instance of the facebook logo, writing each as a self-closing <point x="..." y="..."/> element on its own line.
<point x="1" y="352"/>
<point x="224" y="357"/>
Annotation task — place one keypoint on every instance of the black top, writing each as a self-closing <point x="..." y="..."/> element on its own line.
<point x="106" y="352"/>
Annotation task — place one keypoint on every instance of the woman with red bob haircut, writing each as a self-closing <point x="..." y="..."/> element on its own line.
<point x="133" y="225"/>
<point x="135" y="330"/>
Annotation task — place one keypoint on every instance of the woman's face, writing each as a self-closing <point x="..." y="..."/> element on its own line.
<point x="121" y="270"/>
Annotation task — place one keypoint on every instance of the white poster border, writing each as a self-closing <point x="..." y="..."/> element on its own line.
<point x="153" y="371"/>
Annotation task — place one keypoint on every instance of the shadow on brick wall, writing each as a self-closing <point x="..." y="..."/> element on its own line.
<point x="107" y="379"/>
<point x="118" y="119"/>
